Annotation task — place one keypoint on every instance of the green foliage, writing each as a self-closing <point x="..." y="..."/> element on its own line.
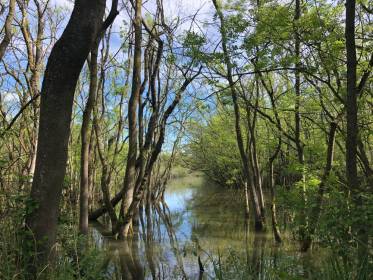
<point x="231" y="265"/>
<point x="193" y="44"/>
<point x="76" y="257"/>
<point x="213" y="150"/>
<point x="79" y="258"/>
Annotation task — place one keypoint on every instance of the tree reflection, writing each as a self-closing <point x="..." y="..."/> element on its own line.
<point x="208" y="238"/>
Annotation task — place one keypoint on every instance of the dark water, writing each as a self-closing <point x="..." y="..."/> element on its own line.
<point x="203" y="227"/>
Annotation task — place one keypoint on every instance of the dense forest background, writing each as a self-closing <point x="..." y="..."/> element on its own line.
<point x="100" y="101"/>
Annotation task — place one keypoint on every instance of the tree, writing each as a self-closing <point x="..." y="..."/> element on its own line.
<point x="130" y="176"/>
<point x="85" y="135"/>
<point x="351" y="101"/>
<point x="248" y="179"/>
<point x="353" y="128"/>
<point x="60" y="78"/>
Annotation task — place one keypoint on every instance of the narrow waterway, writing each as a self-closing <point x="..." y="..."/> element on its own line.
<point x="202" y="227"/>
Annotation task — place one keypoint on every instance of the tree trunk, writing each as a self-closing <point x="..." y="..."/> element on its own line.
<point x="276" y="231"/>
<point x="247" y="198"/>
<point x="105" y="177"/>
<point x="353" y="129"/>
<point x="85" y="136"/>
<point x="130" y="176"/>
<point x="7" y="28"/>
<point x="107" y="168"/>
<point x="298" y="122"/>
<point x="316" y="210"/>
<point x="351" y="100"/>
<point x="61" y="75"/>
<point x="259" y="223"/>
<point x="102" y="210"/>
<point x="143" y="180"/>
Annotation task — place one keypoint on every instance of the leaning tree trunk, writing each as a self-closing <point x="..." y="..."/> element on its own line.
<point x="316" y="209"/>
<point x="259" y="223"/>
<point x="143" y="180"/>
<point x="61" y="75"/>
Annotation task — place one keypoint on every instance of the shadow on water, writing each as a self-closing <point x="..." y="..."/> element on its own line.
<point x="199" y="233"/>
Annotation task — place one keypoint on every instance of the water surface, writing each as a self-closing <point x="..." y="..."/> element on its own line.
<point x="202" y="226"/>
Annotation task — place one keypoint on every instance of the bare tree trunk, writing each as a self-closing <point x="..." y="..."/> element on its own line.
<point x="7" y="28"/>
<point x="298" y="122"/>
<point x="143" y="180"/>
<point x="92" y="156"/>
<point x="254" y="162"/>
<point x="276" y="231"/>
<point x="247" y="198"/>
<point x="353" y="129"/>
<point x="107" y="168"/>
<point x="35" y="59"/>
<point x="259" y="183"/>
<point x="130" y="176"/>
<point x="351" y="100"/>
<point x="61" y="75"/>
<point x="102" y="210"/>
<point x="85" y="136"/>
<point x="105" y="178"/>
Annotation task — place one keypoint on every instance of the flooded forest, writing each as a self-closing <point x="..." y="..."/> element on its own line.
<point x="186" y="139"/>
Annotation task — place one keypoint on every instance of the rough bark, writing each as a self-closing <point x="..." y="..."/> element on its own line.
<point x="353" y="129"/>
<point x="351" y="100"/>
<point x="61" y="75"/>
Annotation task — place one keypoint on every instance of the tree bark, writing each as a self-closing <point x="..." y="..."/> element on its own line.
<point x="61" y="75"/>
<point x="351" y="100"/>
<point x="353" y="129"/>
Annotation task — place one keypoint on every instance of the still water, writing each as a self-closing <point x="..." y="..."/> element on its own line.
<point x="201" y="227"/>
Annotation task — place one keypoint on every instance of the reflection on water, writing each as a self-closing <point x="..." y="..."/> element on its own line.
<point x="199" y="228"/>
